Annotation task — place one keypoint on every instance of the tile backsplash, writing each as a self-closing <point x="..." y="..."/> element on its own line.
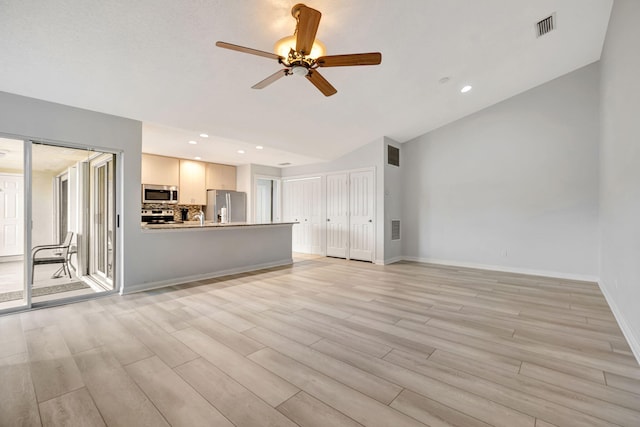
<point x="177" y="209"/>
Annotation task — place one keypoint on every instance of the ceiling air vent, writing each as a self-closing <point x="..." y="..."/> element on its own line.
<point x="546" y="25"/>
<point x="393" y="155"/>
<point x="395" y="229"/>
<point x="284" y="164"/>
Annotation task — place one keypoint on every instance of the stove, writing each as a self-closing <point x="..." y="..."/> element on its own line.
<point x="158" y="216"/>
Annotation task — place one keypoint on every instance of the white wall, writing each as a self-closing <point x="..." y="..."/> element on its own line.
<point x="620" y="169"/>
<point x="514" y="186"/>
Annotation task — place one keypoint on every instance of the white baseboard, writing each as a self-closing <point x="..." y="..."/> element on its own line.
<point x="543" y="273"/>
<point x="129" y="289"/>
<point x="627" y="331"/>
<point x="392" y="260"/>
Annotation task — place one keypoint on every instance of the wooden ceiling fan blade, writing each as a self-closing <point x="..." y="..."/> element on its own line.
<point x="248" y="50"/>
<point x="272" y="78"/>
<point x="308" y="21"/>
<point x="321" y="83"/>
<point x="373" y="58"/>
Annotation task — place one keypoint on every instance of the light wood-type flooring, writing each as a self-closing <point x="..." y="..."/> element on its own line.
<point x="325" y="343"/>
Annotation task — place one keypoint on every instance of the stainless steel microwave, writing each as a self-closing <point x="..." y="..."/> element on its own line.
<point x="167" y="194"/>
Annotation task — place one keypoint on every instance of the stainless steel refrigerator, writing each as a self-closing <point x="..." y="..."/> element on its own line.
<point x="235" y="203"/>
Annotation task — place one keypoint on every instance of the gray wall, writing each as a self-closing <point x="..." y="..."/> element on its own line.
<point x="620" y="168"/>
<point x="513" y="187"/>
<point x="393" y="197"/>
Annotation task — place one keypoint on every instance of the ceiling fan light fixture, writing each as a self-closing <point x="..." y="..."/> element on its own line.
<point x="299" y="70"/>
<point x="285" y="44"/>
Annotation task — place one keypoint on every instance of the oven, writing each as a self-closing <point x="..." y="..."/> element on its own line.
<point x="159" y="194"/>
<point x="158" y="216"/>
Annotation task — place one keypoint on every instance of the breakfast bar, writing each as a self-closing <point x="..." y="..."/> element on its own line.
<point x="189" y="252"/>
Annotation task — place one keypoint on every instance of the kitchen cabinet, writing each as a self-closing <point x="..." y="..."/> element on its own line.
<point x="160" y="170"/>
<point x="220" y="177"/>
<point x="192" y="190"/>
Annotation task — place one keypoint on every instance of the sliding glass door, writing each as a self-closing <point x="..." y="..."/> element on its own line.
<point x="67" y="196"/>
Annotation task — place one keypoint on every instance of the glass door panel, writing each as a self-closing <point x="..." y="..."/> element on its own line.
<point x="13" y="290"/>
<point x="103" y="224"/>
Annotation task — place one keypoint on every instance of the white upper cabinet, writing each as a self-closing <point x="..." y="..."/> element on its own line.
<point x="192" y="189"/>
<point x="160" y="170"/>
<point x="220" y="177"/>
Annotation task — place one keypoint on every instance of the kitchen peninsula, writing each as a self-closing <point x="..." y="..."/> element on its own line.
<point x="203" y="252"/>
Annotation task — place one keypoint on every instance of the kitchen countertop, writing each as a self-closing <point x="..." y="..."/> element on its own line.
<point x="209" y="225"/>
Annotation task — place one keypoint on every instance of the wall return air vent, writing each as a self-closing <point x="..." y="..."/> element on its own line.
<point x="546" y="25"/>
<point x="395" y="229"/>
<point x="393" y="155"/>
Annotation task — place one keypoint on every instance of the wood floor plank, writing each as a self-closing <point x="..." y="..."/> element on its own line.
<point x="530" y="396"/>
<point x="118" y="398"/>
<point x="307" y="411"/>
<point x="578" y="385"/>
<point x="74" y="409"/>
<point x="170" y="350"/>
<point x="433" y="413"/>
<point x="373" y="386"/>
<point x="623" y="383"/>
<point x="361" y="408"/>
<point x="271" y="388"/>
<point x="18" y="404"/>
<point x="227" y="336"/>
<point x="180" y="404"/>
<point x="446" y="394"/>
<point x="356" y="342"/>
<point x="233" y="400"/>
<point x="53" y="370"/>
<point x="11" y="337"/>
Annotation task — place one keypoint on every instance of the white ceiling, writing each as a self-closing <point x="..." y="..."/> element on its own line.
<point x="156" y="61"/>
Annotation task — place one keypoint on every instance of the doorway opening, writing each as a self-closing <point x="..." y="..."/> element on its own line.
<point x="267" y="206"/>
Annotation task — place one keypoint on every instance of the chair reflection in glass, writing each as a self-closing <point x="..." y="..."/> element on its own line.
<point x="53" y="254"/>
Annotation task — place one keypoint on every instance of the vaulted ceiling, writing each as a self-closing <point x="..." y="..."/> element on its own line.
<point x="156" y="61"/>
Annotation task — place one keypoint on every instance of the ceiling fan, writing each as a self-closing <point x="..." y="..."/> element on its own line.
<point x="302" y="54"/>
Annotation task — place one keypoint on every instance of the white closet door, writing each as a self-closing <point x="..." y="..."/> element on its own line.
<point x="292" y="212"/>
<point x="11" y="215"/>
<point x="312" y="209"/>
<point x="302" y="204"/>
<point x="337" y="215"/>
<point x="361" y="207"/>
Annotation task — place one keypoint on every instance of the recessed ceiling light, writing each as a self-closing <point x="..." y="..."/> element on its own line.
<point x="466" y="89"/>
<point x="193" y="142"/>
<point x="198" y="158"/>
<point x="259" y="147"/>
<point x="204" y="135"/>
<point x="240" y="151"/>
